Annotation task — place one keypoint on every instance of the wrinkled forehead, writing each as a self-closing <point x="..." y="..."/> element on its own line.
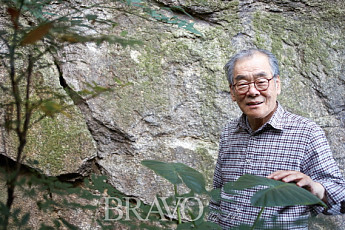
<point x="254" y="65"/>
<point x="253" y="75"/>
<point x="252" y="62"/>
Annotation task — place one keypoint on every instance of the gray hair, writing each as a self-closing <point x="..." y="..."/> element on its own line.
<point x="229" y="67"/>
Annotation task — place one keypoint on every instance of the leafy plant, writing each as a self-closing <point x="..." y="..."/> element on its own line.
<point x="178" y="174"/>
<point x="277" y="193"/>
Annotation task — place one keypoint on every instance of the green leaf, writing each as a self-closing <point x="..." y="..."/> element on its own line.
<point x="165" y="170"/>
<point x="286" y="194"/>
<point x="91" y="17"/>
<point x="68" y="225"/>
<point x="248" y="181"/>
<point x="46" y="227"/>
<point x="208" y="225"/>
<point x="99" y="183"/>
<point x="191" y="177"/>
<point x="177" y="173"/>
<point x="133" y="2"/>
<point x="190" y="28"/>
<point x="277" y="194"/>
<point x="184" y="226"/>
<point x="57" y="223"/>
<point x="25" y="219"/>
<point x="215" y="194"/>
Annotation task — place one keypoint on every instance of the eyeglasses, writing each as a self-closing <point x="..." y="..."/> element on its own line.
<point x="260" y="84"/>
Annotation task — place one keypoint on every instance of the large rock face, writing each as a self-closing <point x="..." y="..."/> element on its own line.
<point x="178" y="99"/>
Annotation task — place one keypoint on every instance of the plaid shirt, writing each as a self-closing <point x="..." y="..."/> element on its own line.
<point x="285" y="142"/>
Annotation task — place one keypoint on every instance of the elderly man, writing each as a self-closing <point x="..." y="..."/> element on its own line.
<point x="271" y="142"/>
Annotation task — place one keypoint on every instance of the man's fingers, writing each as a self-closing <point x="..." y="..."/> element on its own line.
<point x="301" y="180"/>
<point x="304" y="182"/>
<point x="279" y="175"/>
<point x="290" y="176"/>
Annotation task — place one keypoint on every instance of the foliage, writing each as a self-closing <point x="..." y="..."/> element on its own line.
<point x="178" y="174"/>
<point x="51" y="194"/>
<point x="276" y="193"/>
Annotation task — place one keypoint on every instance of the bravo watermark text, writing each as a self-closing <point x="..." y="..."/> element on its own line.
<point x="121" y="209"/>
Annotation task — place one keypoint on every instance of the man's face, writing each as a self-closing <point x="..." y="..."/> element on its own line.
<point x="259" y="106"/>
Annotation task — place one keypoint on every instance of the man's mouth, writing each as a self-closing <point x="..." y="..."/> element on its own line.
<point x="254" y="103"/>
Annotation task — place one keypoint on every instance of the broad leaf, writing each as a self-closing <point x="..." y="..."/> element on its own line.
<point x="248" y="181"/>
<point x="191" y="177"/>
<point x="285" y="194"/>
<point x="277" y="194"/>
<point x="177" y="173"/>
<point x="184" y="226"/>
<point x="215" y="194"/>
<point x="166" y="170"/>
<point x="208" y="226"/>
<point x="25" y="219"/>
<point x="91" y="17"/>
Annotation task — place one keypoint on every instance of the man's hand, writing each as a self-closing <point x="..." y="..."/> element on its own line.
<point x="302" y="181"/>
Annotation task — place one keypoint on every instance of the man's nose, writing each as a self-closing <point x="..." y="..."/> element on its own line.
<point x="252" y="90"/>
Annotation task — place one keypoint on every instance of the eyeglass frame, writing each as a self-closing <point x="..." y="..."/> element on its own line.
<point x="268" y="85"/>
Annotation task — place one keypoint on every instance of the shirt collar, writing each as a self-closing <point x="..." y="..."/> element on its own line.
<point x="276" y="121"/>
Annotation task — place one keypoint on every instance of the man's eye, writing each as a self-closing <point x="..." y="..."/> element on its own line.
<point x="261" y="81"/>
<point x="243" y="85"/>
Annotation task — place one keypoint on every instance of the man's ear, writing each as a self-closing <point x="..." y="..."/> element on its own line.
<point x="232" y="93"/>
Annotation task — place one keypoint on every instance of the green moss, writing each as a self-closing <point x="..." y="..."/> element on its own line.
<point x="310" y="34"/>
<point x="267" y="31"/>
<point x="300" y="45"/>
<point x="142" y="98"/>
<point x="59" y="144"/>
<point x="259" y="40"/>
<point x="149" y="92"/>
<point x="290" y="97"/>
<point x="178" y="50"/>
<point x="332" y="11"/>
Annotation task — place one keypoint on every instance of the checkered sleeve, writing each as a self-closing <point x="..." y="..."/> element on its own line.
<point x="321" y="167"/>
<point x="217" y="184"/>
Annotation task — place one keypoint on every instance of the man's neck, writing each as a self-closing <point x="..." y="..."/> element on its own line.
<point x="257" y="123"/>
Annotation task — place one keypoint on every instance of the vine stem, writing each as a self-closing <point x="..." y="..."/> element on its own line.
<point x="257" y="218"/>
<point x="178" y="208"/>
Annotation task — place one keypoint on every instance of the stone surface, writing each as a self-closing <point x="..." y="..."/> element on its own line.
<point x="178" y="100"/>
<point x="59" y="145"/>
